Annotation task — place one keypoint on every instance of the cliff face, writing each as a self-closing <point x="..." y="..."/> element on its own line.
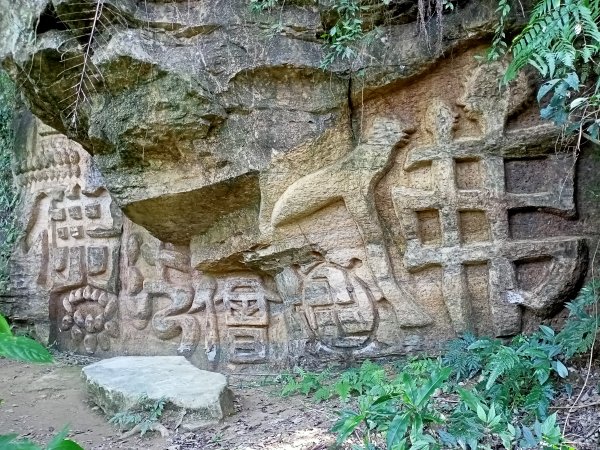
<point x="211" y="89"/>
<point x="269" y="211"/>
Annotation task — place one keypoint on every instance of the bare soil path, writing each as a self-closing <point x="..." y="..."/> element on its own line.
<point x="39" y="400"/>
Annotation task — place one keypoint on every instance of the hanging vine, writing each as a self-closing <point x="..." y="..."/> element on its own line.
<point x="9" y="228"/>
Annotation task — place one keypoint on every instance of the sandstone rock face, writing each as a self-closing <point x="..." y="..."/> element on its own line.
<point x="196" y="397"/>
<point x="65" y="268"/>
<point x="272" y="213"/>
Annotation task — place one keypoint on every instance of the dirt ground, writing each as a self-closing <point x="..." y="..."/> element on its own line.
<point x="39" y="400"/>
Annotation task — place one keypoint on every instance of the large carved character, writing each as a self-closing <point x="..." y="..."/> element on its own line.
<point x="352" y="179"/>
<point x="457" y="215"/>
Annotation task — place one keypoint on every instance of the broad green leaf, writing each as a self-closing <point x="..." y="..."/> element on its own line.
<point x="548" y="425"/>
<point x="24" y="349"/>
<point x="545" y="88"/>
<point x="480" y="344"/>
<point x="506" y="438"/>
<point x="416" y="427"/>
<point x="346" y="425"/>
<point x="397" y="430"/>
<point x="4" y="326"/>
<point x="577" y="102"/>
<point x="481" y="413"/>
<point x="542" y="375"/>
<point x="560" y="368"/>
<point x="572" y="80"/>
<point x="470" y="398"/>
<point x="491" y="413"/>
<point x="59" y="442"/>
<point x="547" y="112"/>
<point x="66" y="444"/>
<point x="529" y="437"/>
<point x="384" y="398"/>
<point x="548" y="332"/>
<point x="436" y="381"/>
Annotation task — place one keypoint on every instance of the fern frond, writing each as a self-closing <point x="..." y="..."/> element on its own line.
<point x="579" y="332"/>
<point x="80" y="86"/>
<point x="565" y="31"/>
<point x="465" y="363"/>
<point x="501" y="362"/>
<point x="89" y="22"/>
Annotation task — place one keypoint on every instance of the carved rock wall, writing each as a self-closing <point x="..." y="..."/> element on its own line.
<point x="292" y="216"/>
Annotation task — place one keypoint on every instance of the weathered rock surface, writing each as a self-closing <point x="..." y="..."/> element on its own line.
<point x="235" y="204"/>
<point x="197" y="98"/>
<point x="196" y="397"/>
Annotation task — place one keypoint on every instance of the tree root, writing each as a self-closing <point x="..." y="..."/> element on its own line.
<point x="164" y="432"/>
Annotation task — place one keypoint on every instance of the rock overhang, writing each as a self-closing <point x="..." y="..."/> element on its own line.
<point x="181" y="84"/>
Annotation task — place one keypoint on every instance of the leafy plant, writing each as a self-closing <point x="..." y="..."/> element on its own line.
<point x="358" y="381"/>
<point x="499" y="46"/>
<point x="347" y="30"/>
<point x="145" y="417"/>
<point x="578" y="335"/>
<point x="23" y="348"/>
<point x="402" y="414"/>
<point x="465" y="364"/>
<point x="306" y="383"/>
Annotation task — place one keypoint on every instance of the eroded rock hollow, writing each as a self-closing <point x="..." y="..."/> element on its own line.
<point x="222" y="197"/>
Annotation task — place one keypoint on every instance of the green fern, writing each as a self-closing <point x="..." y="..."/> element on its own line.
<point x="562" y="43"/>
<point x="581" y="328"/>
<point x="465" y="364"/>
<point x="499" y="46"/>
<point x="306" y="383"/>
<point x="501" y="363"/>
<point x="559" y="33"/>
<point x="145" y="416"/>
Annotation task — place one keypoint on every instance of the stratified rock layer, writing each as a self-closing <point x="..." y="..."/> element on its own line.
<point x="232" y="202"/>
<point x="195" y="396"/>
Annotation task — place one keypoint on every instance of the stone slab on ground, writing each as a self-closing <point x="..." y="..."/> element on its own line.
<point x="194" y="397"/>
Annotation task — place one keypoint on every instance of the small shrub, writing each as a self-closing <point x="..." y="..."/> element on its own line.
<point x="144" y="418"/>
<point x="561" y="42"/>
<point x="306" y="383"/>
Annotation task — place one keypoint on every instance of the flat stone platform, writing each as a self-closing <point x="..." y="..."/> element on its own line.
<point x="194" y="397"/>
